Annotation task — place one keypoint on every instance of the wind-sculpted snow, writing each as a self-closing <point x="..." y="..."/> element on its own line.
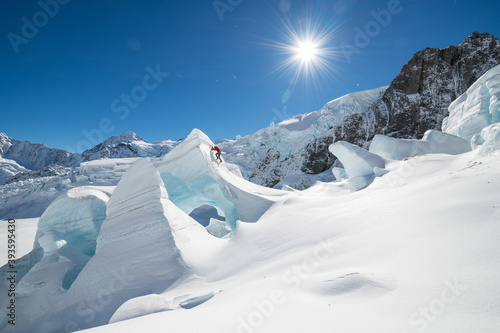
<point x="360" y="165"/>
<point x="477" y="108"/>
<point x="433" y="142"/>
<point x="193" y="179"/>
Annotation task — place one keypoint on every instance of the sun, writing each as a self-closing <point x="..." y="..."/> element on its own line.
<point x="306" y="51"/>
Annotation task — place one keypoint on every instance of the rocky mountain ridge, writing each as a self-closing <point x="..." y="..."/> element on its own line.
<point x="417" y="100"/>
<point x="35" y="155"/>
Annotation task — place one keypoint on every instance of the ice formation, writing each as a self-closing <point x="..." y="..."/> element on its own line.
<point x="339" y="173"/>
<point x="64" y="243"/>
<point x="93" y="254"/>
<point x="361" y="166"/>
<point x="194" y="179"/>
<point x="490" y="140"/>
<point x="477" y="108"/>
<point x="433" y="142"/>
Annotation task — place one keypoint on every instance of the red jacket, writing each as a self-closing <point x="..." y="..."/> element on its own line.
<point x="216" y="149"/>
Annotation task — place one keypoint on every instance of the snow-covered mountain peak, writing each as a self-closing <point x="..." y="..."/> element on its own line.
<point x="35" y="155"/>
<point x="128" y="144"/>
<point x="127" y="136"/>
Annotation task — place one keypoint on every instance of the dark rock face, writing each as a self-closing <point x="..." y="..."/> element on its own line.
<point x="269" y="172"/>
<point x="357" y="129"/>
<point x="318" y="158"/>
<point x="418" y="98"/>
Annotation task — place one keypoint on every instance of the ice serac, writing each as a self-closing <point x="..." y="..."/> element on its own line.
<point x="194" y="179"/>
<point x="477" y="108"/>
<point x="136" y="252"/>
<point x="433" y="142"/>
<point x="360" y="165"/>
<point x="64" y="243"/>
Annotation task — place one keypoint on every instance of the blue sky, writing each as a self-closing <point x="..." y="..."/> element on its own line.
<point x="76" y="72"/>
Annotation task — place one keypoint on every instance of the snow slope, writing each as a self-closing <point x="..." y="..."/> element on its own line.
<point x="415" y="251"/>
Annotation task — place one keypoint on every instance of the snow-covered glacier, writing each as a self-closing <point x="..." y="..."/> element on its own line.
<point x="132" y="239"/>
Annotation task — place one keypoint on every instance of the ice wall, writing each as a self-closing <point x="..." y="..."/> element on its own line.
<point x="136" y="252"/>
<point x="477" y="108"/>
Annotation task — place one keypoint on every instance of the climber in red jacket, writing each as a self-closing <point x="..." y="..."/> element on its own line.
<point x="217" y="153"/>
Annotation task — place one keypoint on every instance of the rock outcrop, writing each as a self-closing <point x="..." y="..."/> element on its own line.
<point x="418" y="98"/>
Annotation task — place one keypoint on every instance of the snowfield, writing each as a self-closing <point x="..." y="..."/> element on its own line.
<point x="415" y="251"/>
